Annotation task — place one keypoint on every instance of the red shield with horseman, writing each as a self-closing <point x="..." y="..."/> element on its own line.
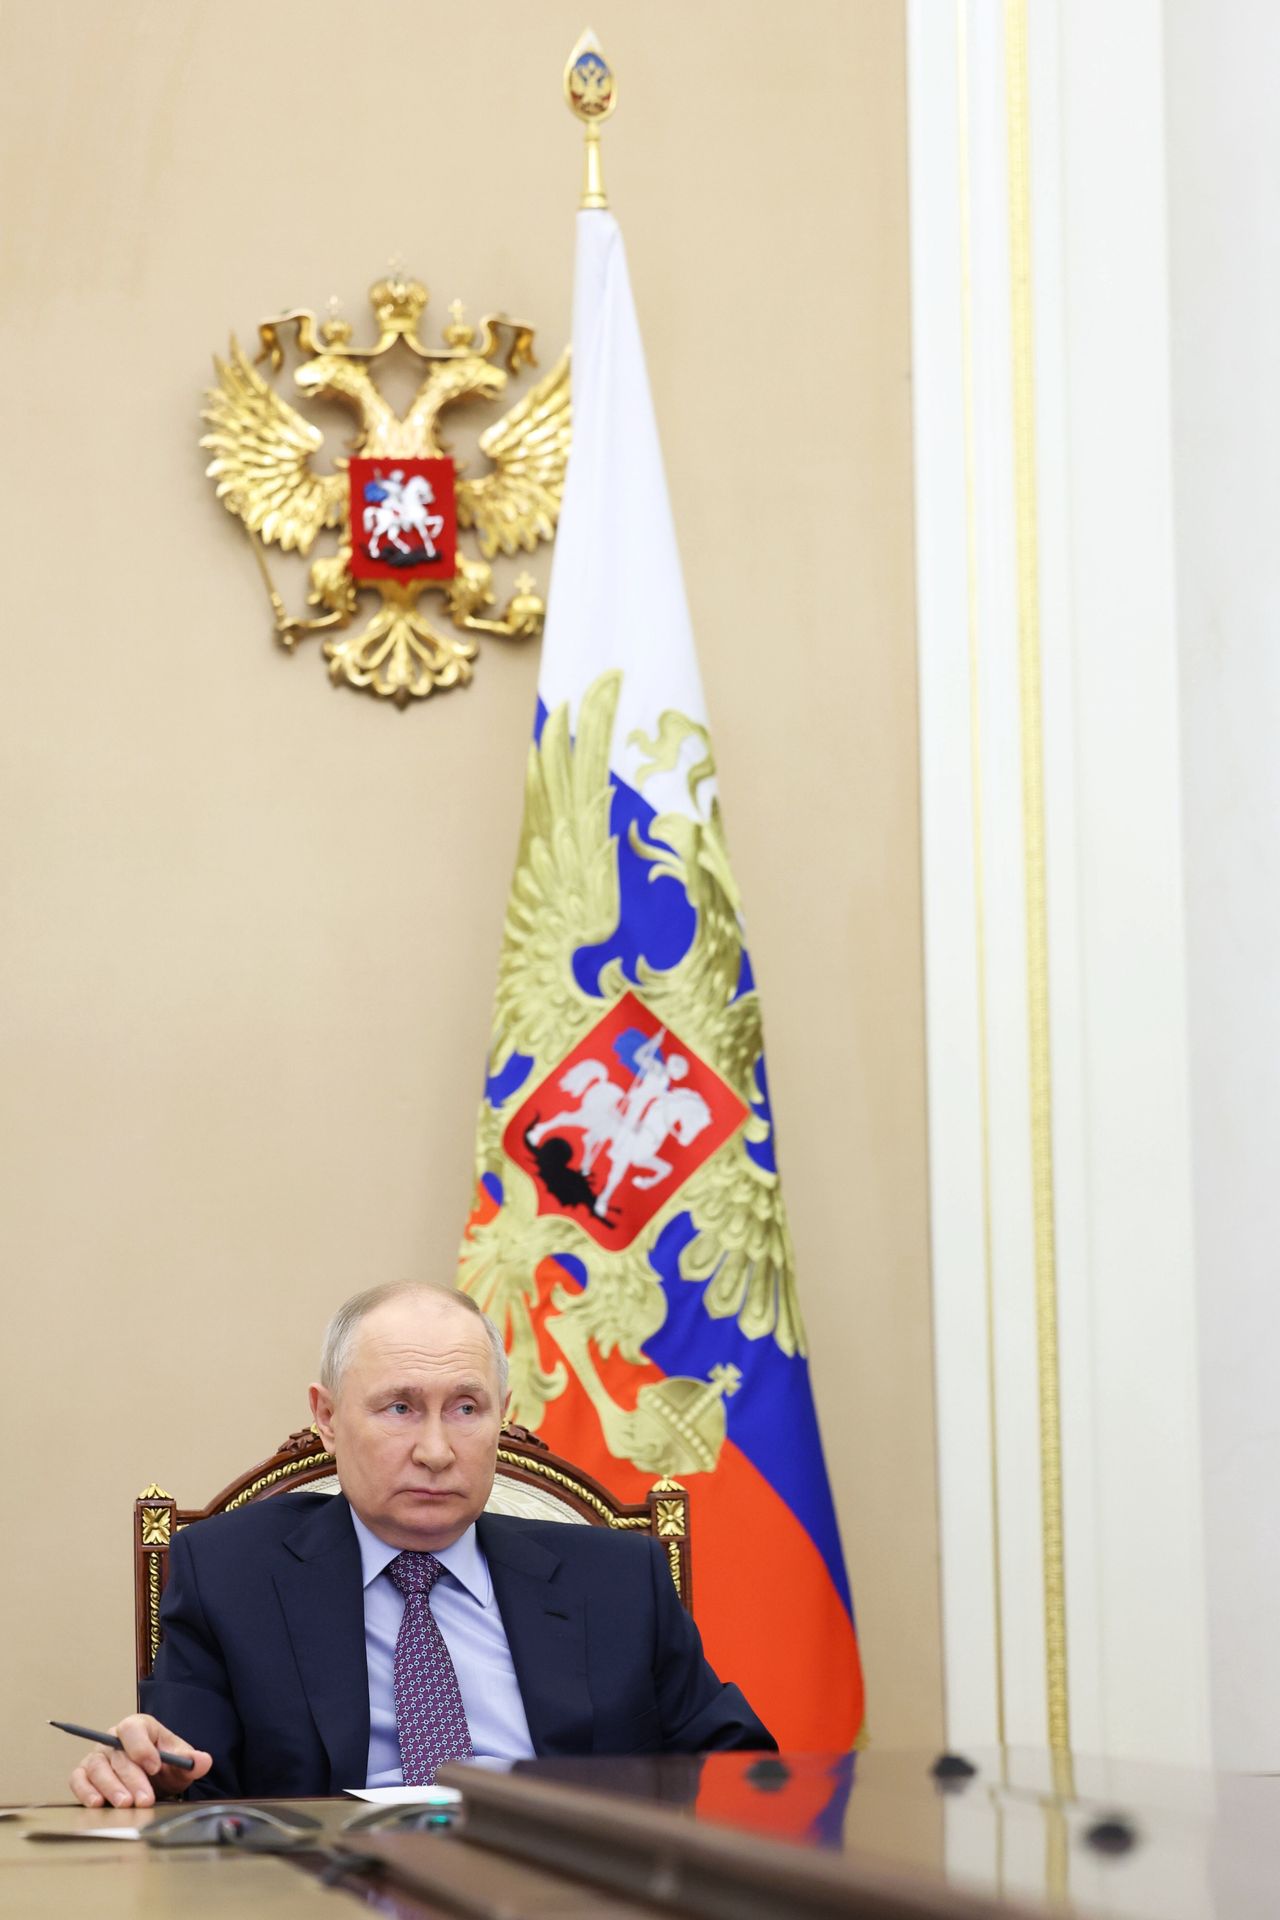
<point x="621" y="1123"/>
<point x="404" y="519"/>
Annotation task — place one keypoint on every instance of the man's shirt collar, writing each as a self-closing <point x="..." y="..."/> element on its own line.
<point x="464" y="1559"/>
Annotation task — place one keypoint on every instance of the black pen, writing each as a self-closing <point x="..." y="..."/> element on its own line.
<point x="110" y="1740"/>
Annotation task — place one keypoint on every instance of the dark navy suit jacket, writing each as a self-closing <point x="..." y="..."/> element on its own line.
<point x="263" y="1657"/>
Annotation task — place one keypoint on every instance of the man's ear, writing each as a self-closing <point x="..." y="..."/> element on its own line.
<point x="322" y="1414"/>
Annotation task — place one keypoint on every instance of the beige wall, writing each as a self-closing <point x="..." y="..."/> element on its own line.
<point x="251" y="923"/>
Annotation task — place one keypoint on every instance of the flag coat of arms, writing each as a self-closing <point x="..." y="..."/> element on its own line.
<point x="628" y="1232"/>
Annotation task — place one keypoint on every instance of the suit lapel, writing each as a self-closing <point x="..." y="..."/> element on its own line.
<point x="545" y="1625"/>
<point x="319" y="1581"/>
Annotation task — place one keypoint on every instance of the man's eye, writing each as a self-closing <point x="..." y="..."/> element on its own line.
<point x="467" y="1406"/>
<point x="399" y="1406"/>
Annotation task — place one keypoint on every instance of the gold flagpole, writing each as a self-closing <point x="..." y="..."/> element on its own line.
<point x="592" y="93"/>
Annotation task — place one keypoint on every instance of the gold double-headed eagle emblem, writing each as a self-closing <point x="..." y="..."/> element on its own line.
<point x="396" y="497"/>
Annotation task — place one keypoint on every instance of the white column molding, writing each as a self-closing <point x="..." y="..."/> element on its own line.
<point x="1221" y="59"/>
<point x="1049" y="681"/>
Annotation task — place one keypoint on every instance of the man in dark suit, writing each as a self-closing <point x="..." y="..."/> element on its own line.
<point x="317" y="1642"/>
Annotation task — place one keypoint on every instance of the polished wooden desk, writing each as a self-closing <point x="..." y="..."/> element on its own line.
<point x="722" y="1838"/>
<point x="116" y="1880"/>
<point x="67" y="1877"/>
<point x="874" y="1834"/>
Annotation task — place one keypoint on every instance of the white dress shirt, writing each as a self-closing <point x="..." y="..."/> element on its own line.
<point x="466" y="1611"/>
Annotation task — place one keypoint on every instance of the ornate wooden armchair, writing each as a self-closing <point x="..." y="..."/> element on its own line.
<point x="531" y="1482"/>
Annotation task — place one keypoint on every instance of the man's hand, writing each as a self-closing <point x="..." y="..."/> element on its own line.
<point x="136" y="1776"/>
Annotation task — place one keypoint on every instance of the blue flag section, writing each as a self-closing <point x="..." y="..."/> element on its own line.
<point x="629" y="1232"/>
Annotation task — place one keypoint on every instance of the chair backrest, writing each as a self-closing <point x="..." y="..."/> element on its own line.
<point x="531" y="1482"/>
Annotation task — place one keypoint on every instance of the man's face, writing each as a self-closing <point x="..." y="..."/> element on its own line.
<point x="414" y="1421"/>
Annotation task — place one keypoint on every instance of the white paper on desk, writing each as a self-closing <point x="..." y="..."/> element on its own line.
<point x="406" y="1796"/>
<point x="110" y="1833"/>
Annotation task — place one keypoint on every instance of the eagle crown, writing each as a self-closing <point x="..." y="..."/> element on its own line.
<point x="398" y="304"/>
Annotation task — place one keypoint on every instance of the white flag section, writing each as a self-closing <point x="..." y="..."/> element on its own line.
<point x="617" y="594"/>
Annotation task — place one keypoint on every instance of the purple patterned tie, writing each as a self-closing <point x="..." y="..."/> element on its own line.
<point x="430" y="1720"/>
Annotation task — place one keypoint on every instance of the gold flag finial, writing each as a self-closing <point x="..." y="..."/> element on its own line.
<point x="592" y="93"/>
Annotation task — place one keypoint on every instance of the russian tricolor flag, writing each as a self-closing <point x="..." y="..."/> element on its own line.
<point x="629" y="1232"/>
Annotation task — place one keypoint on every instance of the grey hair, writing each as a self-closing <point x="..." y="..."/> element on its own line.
<point x="339" y="1336"/>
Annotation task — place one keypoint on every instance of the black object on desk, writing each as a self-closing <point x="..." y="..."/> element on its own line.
<point x="232" y="1823"/>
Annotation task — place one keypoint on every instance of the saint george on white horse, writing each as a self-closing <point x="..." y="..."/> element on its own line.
<point x="401" y="508"/>
<point x="632" y="1126"/>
